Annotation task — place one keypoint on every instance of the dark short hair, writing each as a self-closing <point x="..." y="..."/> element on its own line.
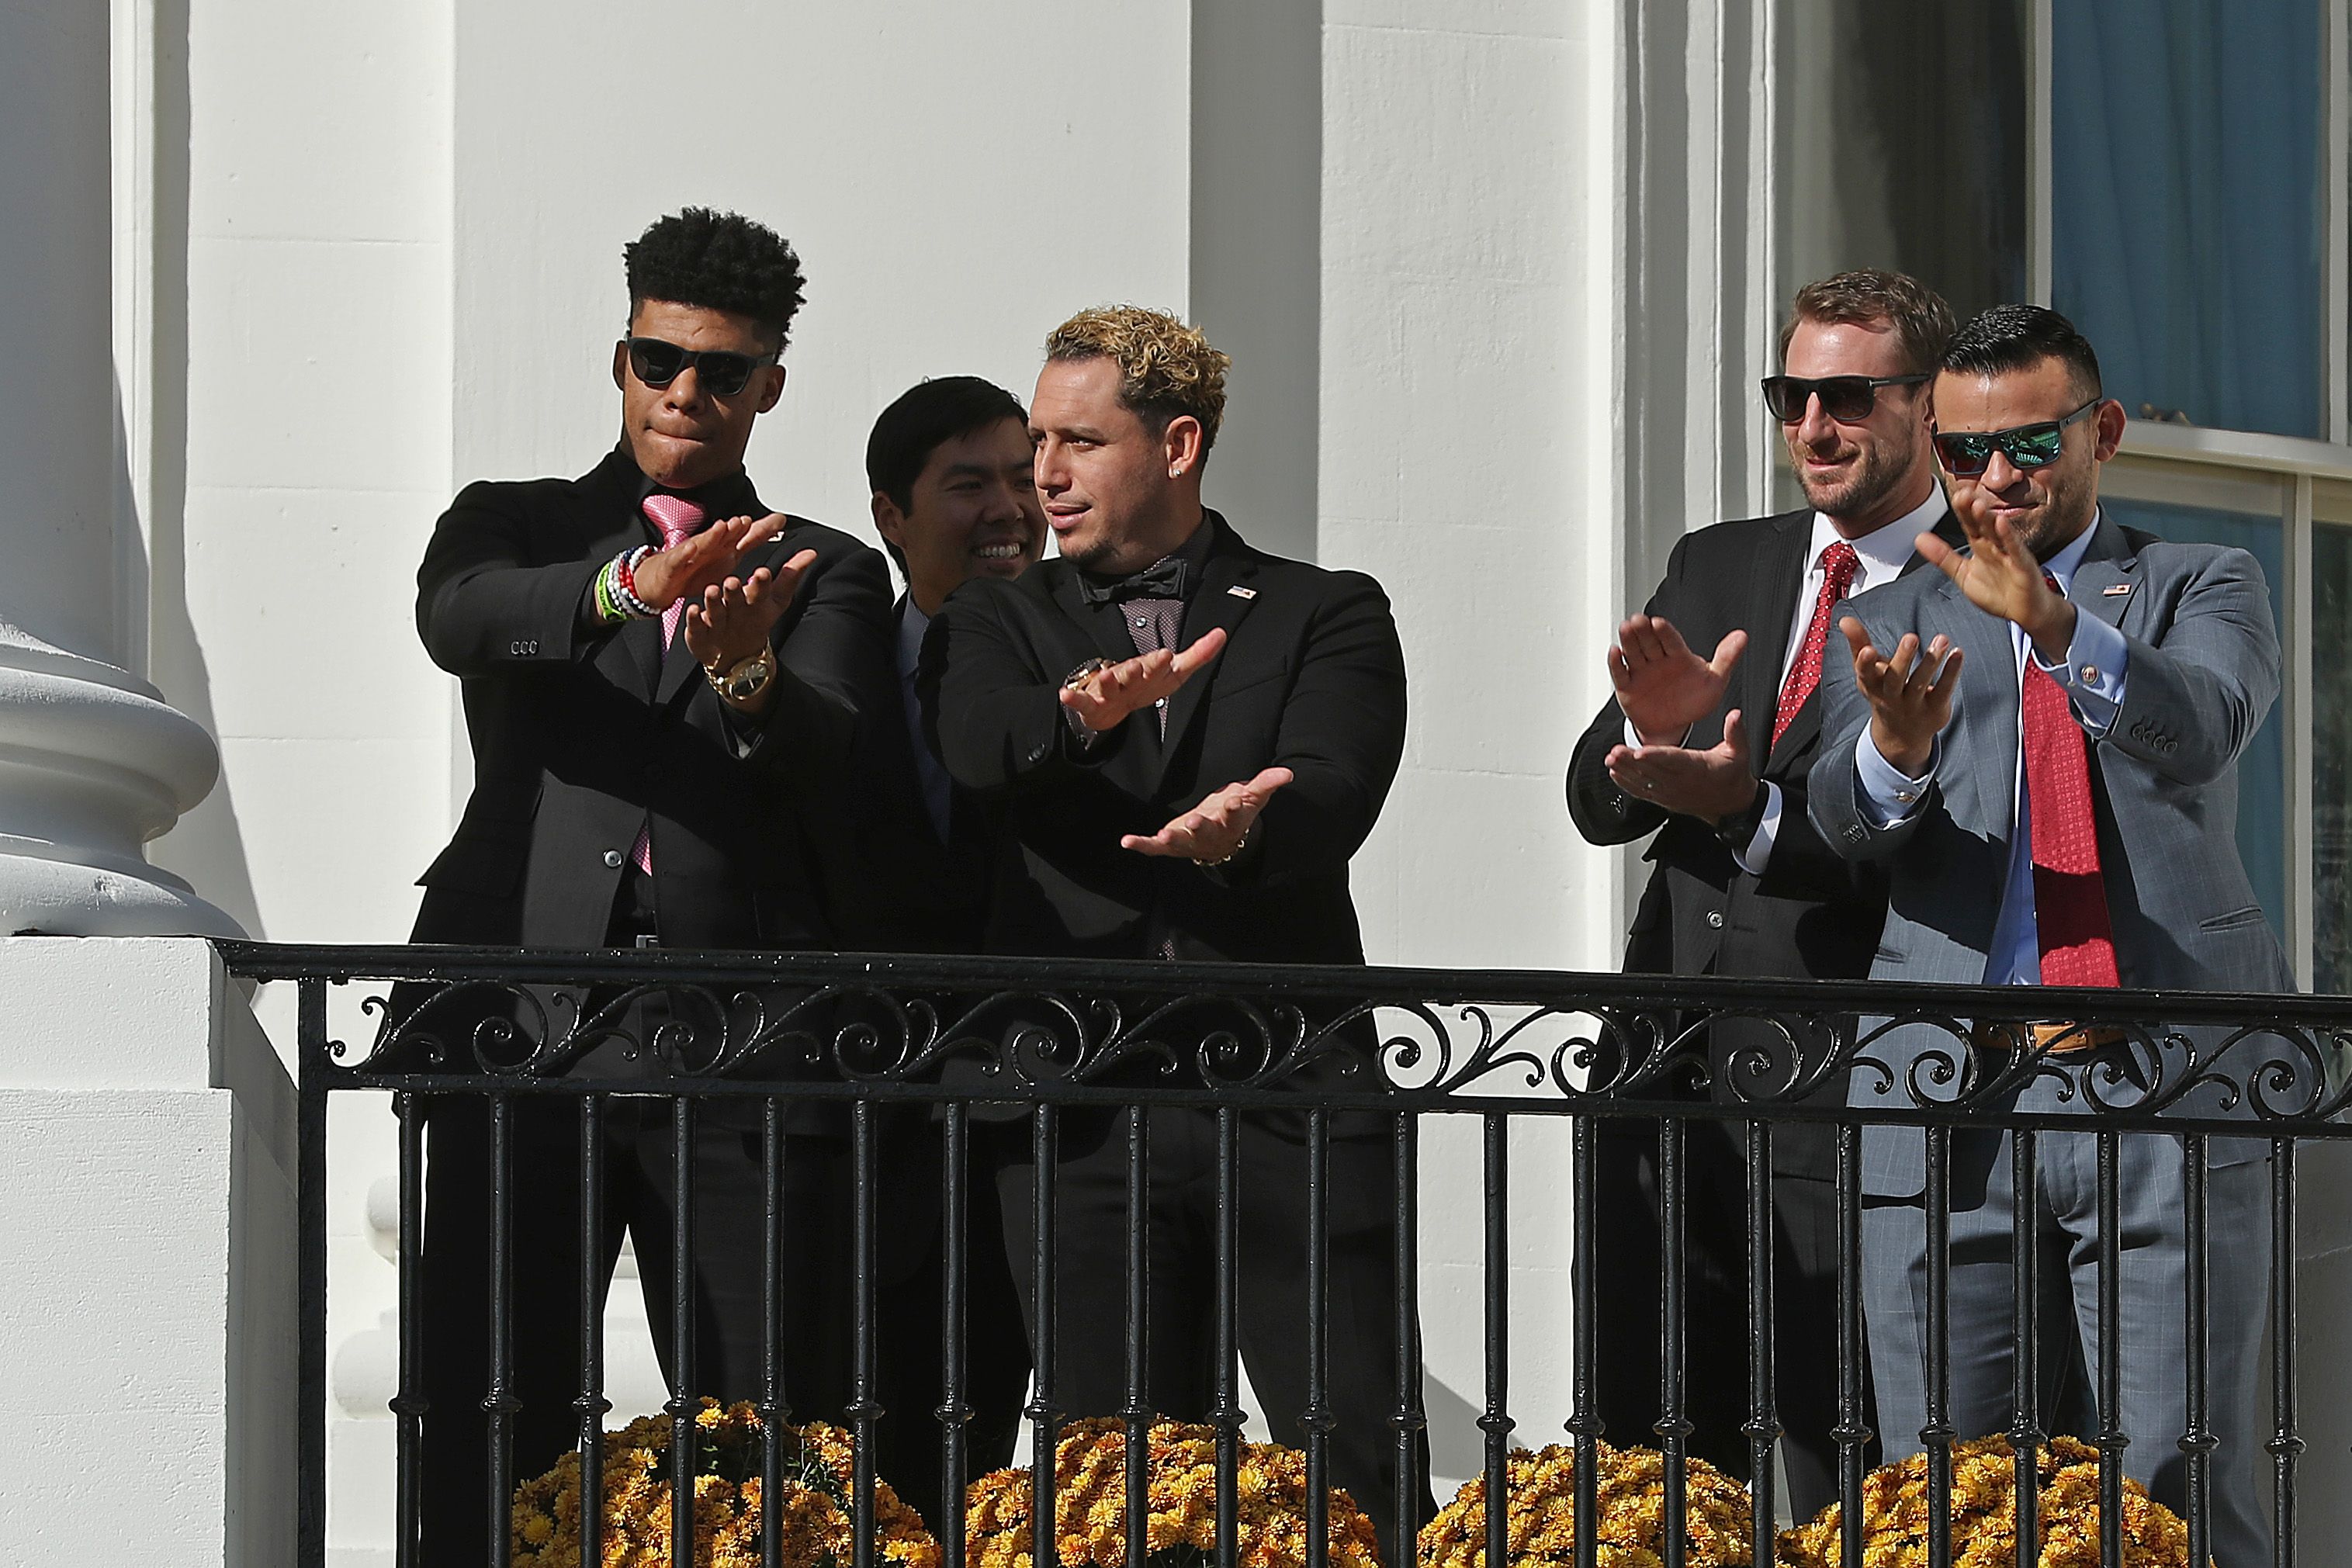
<point x="921" y="420"/>
<point x="1866" y="296"/>
<point x="2003" y="338"/>
<point x="718" y="261"/>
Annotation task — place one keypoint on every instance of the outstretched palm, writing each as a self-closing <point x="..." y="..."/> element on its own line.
<point x="1663" y="687"/>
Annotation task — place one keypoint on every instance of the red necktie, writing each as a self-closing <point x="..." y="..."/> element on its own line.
<point x="1838" y="563"/>
<point x="2070" y="896"/>
<point x="679" y="520"/>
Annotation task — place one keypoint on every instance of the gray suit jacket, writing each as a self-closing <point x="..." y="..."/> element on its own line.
<point x="2204" y="671"/>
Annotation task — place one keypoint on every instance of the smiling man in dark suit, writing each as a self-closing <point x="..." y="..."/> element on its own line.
<point x="660" y="677"/>
<point x="1709" y="752"/>
<point x="1189" y="738"/>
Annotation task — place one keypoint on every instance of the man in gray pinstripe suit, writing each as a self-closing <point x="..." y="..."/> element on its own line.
<point x="2039" y="742"/>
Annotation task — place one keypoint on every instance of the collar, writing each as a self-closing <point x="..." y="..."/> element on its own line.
<point x="2066" y="563"/>
<point x="728" y="495"/>
<point x="912" y="624"/>
<point x="1187" y="560"/>
<point x="1887" y="549"/>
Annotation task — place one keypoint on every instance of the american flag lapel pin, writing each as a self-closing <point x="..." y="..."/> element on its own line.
<point x="1239" y="592"/>
<point x="2115" y="590"/>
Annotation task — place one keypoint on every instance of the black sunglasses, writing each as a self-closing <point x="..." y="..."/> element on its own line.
<point x="1846" y="399"/>
<point x="1965" y="453"/>
<point x="720" y="373"/>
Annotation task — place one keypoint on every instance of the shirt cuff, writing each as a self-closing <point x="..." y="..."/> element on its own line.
<point x="1633" y="737"/>
<point x="1757" y="852"/>
<point x="1890" y="794"/>
<point x="2098" y="660"/>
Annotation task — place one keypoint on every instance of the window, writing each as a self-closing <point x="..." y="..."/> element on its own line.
<point x="2171" y="175"/>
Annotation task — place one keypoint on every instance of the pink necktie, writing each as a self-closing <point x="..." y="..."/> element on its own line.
<point x="679" y="520"/>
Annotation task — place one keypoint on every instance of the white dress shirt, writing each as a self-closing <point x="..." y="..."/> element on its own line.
<point x="2097" y="661"/>
<point x="1880" y="557"/>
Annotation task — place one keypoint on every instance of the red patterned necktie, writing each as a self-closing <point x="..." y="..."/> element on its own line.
<point x="2070" y="896"/>
<point x="679" y="520"/>
<point x="1838" y="563"/>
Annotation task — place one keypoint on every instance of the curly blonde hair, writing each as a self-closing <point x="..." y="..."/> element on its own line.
<point x="1165" y="367"/>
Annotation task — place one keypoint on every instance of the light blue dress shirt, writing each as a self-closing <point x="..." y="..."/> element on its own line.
<point x="2097" y="662"/>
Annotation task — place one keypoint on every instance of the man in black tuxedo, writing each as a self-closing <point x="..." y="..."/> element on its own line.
<point x="1709" y="752"/>
<point x="954" y="498"/>
<point x="660" y="675"/>
<point x="1188" y="740"/>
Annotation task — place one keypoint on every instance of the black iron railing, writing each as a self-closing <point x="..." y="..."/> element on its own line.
<point x="1043" y="1038"/>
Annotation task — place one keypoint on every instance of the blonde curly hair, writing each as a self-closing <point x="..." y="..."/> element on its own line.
<point x="1165" y="367"/>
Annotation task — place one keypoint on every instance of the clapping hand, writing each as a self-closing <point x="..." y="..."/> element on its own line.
<point x="1214" y="830"/>
<point x="1910" y="694"/>
<point x="2001" y="577"/>
<point x="733" y="619"/>
<point x="1710" y="784"/>
<point x="684" y="570"/>
<point x="1663" y="687"/>
<point x="1104" y="700"/>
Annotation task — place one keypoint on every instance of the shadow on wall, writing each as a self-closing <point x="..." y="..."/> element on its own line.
<point x="207" y="846"/>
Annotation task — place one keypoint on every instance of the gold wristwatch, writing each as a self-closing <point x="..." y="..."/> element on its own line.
<point x="745" y="680"/>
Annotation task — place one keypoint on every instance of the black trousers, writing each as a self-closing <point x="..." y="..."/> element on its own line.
<point x="1090" y="1220"/>
<point x="1631" y="1324"/>
<point x="462" y="1498"/>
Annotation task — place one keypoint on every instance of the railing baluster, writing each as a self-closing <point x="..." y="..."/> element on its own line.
<point x="1853" y="1429"/>
<point x="955" y="1410"/>
<point x="2113" y="1439"/>
<point x="2198" y="1442"/>
<point x="1227" y="1416"/>
<point x="1584" y="1425"/>
<point x="501" y="1403"/>
<point x="1496" y="1422"/>
<point x="773" y="1410"/>
<point x="1138" y="1410"/>
<point x="592" y="1403"/>
<point x="1318" y="1419"/>
<point x="408" y="1403"/>
<point x="1674" y="1426"/>
<point x="1938" y="1433"/>
<point x="683" y="1405"/>
<point x="1763" y="1420"/>
<point x="313" y="1060"/>
<point x="2025" y="1434"/>
<point x="2285" y="1444"/>
<point x="1045" y="1534"/>
<point x="865" y="1409"/>
<point x="1410" y="1419"/>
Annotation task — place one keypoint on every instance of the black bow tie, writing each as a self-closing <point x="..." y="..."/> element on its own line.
<point x="1164" y="579"/>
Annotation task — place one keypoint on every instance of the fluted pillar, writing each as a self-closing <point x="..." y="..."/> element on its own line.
<point x="93" y="762"/>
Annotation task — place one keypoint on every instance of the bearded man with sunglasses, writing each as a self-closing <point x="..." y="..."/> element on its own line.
<point x="2038" y="742"/>
<point x="662" y="680"/>
<point x="1706" y="744"/>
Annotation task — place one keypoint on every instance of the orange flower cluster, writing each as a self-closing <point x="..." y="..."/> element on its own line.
<point x="1984" y="1515"/>
<point x="1541" y="1520"/>
<point x="1090" y="1504"/>
<point x="729" y="1518"/>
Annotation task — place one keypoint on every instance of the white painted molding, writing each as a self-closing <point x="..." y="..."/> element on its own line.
<point x="93" y="763"/>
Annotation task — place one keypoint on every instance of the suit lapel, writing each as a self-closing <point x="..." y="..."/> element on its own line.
<point x="1778" y="583"/>
<point x="1987" y="699"/>
<point x="624" y="528"/>
<point x="2108" y="581"/>
<point x="1214" y="605"/>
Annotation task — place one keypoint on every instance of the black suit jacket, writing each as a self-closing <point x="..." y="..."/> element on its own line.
<point x="578" y="732"/>
<point x="903" y="888"/>
<point x="1312" y="678"/>
<point x="1813" y="913"/>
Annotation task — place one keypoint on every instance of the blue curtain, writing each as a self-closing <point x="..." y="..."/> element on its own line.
<point x="2185" y="203"/>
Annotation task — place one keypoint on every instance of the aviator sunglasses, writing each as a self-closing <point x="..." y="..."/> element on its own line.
<point x="1846" y="399"/>
<point x="1965" y="453"/>
<point x="720" y="371"/>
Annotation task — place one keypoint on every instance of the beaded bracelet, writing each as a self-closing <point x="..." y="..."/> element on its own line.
<point x="624" y="582"/>
<point x="607" y="608"/>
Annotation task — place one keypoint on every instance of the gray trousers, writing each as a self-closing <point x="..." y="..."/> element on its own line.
<point x="2153" y="1333"/>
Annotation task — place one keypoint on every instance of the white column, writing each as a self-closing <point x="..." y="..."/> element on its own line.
<point x="93" y="763"/>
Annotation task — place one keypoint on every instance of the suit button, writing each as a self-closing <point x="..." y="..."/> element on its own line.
<point x="1714" y="919"/>
<point x="611" y="859"/>
<point x="2091" y="673"/>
